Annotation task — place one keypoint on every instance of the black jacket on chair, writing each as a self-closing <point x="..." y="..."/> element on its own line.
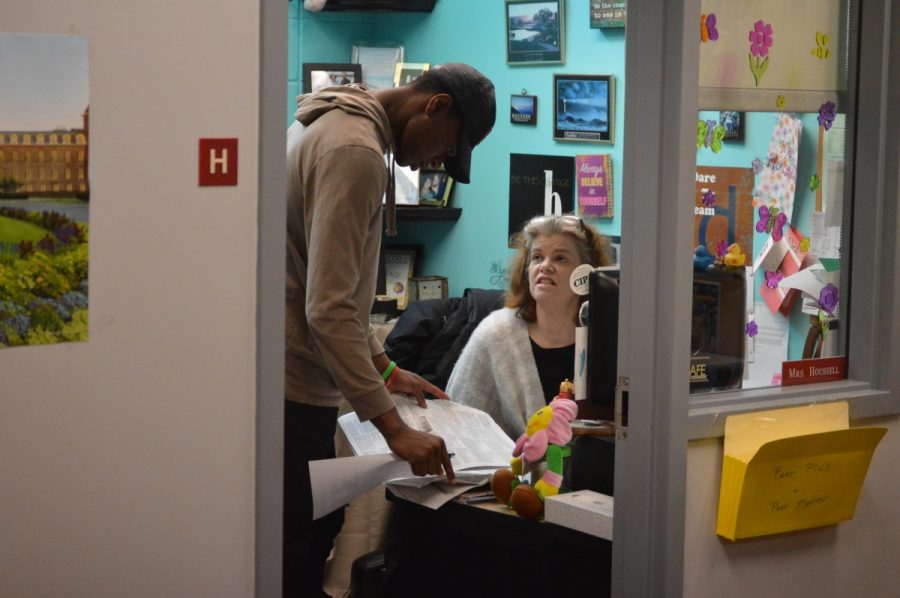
<point x="428" y="338"/>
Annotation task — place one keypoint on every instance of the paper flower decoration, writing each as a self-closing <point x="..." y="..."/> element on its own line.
<point x="827" y="114"/>
<point x="760" y="42"/>
<point x="709" y="198"/>
<point x="780" y="102"/>
<point x="708" y="31"/>
<point x="757" y="166"/>
<point x="773" y="278"/>
<point x="828" y="298"/>
<point x="752" y="328"/>
<point x="814" y="182"/>
<point x="771" y="221"/>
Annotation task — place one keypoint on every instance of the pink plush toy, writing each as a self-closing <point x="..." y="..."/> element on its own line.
<point x="545" y="439"/>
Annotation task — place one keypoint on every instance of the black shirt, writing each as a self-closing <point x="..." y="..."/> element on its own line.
<point x="553" y="366"/>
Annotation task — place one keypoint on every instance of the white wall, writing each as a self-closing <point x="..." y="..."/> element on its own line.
<point x="857" y="558"/>
<point x="127" y="462"/>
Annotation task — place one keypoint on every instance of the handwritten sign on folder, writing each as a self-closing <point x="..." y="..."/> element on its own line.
<point x="792" y="469"/>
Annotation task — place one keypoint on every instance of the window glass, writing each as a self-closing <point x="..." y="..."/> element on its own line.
<point x="769" y="195"/>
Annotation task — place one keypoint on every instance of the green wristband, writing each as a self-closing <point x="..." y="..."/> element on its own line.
<point x="387" y="372"/>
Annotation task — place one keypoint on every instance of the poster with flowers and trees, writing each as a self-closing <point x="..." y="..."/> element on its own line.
<point x="44" y="192"/>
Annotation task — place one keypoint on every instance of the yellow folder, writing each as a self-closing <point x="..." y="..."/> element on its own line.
<point x="792" y="469"/>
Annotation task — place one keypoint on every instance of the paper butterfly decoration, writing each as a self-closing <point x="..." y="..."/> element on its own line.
<point x="710" y="134"/>
<point x="771" y="221"/>
<point x="709" y="198"/>
<point x="708" y="31"/>
<point x="773" y="278"/>
<point x="721" y="248"/>
<point x="821" y="51"/>
<point x="814" y="182"/>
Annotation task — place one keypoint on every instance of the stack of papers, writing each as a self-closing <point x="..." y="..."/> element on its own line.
<point x="477" y="444"/>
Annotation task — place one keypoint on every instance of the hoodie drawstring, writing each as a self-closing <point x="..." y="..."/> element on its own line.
<point x="390" y="206"/>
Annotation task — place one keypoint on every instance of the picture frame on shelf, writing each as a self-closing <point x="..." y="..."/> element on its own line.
<point x="535" y="32"/>
<point x="435" y="186"/>
<point x="378" y="64"/>
<point x="523" y="109"/>
<point x="317" y="75"/>
<point x="733" y="122"/>
<point x="400" y="263"/>
<point x="583" y="108"/>
<point x="407" y="72"/>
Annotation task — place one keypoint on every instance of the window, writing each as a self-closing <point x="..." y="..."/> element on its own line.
<point x="814" y="146"/>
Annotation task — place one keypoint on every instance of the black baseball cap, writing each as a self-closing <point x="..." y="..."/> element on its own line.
<point x="473" y="96"/>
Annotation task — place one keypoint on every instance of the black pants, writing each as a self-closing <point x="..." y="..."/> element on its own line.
<point x="308" y="436"/>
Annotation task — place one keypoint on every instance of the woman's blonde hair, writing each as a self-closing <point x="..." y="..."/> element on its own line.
<point x="593" y="248"/>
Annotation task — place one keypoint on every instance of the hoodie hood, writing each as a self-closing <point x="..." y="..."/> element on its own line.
<point x="356" y="100"/>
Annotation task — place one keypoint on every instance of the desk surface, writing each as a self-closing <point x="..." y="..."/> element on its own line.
<point x="488" y="550"/>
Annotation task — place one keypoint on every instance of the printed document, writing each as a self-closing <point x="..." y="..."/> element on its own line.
<point x="477" y="444"/>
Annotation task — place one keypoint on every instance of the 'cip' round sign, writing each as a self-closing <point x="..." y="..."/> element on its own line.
<point x="578" y="280"/>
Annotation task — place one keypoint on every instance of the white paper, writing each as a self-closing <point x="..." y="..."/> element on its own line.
<point x="477" y="444"/>
<point x="470" y="434"/>
<point x="771" y="255"/>
<point x="824" y="241"/>
<point x="805" y="281"/>
<point x="336" y="482"/>
<point x="770" y="348"/>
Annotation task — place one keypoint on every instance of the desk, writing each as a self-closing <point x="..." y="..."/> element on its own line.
<point x="487" y="550"/>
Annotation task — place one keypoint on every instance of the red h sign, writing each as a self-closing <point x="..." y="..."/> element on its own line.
<point x="218" y="162"/>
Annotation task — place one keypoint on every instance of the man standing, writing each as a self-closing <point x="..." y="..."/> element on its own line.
<point x="337" y="177"/>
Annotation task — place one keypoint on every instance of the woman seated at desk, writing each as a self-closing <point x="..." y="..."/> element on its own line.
<point x="517" y="357"/>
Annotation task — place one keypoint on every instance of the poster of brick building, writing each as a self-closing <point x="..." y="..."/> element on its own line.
<point x="44" y="190"/>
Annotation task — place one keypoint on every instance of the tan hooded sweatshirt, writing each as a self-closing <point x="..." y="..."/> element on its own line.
<point x="337" y="178"/>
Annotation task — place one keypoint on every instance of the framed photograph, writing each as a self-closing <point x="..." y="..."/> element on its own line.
<point x="733" y="123"/>
<point x="608" y="13"/>
<point x="523" y="109"/>
<point x="583" y="108"/>
<point x="317" y="75"/>
<point x="407" y="72"/>
<point x="434" y="187"/>
<point x="400" y="262"/>
<point x="535" y="32"/>
<point x="378" y="64"/>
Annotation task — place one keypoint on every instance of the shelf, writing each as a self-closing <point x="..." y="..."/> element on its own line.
<point x="423" y="213"/>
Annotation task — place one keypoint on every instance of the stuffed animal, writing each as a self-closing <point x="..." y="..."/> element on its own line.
<point x="545" y="440"/>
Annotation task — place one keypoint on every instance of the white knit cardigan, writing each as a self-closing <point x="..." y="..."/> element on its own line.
<point x="496" y="372"/>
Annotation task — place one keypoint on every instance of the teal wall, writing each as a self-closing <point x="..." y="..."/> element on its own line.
<point x="472" y="249"/>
